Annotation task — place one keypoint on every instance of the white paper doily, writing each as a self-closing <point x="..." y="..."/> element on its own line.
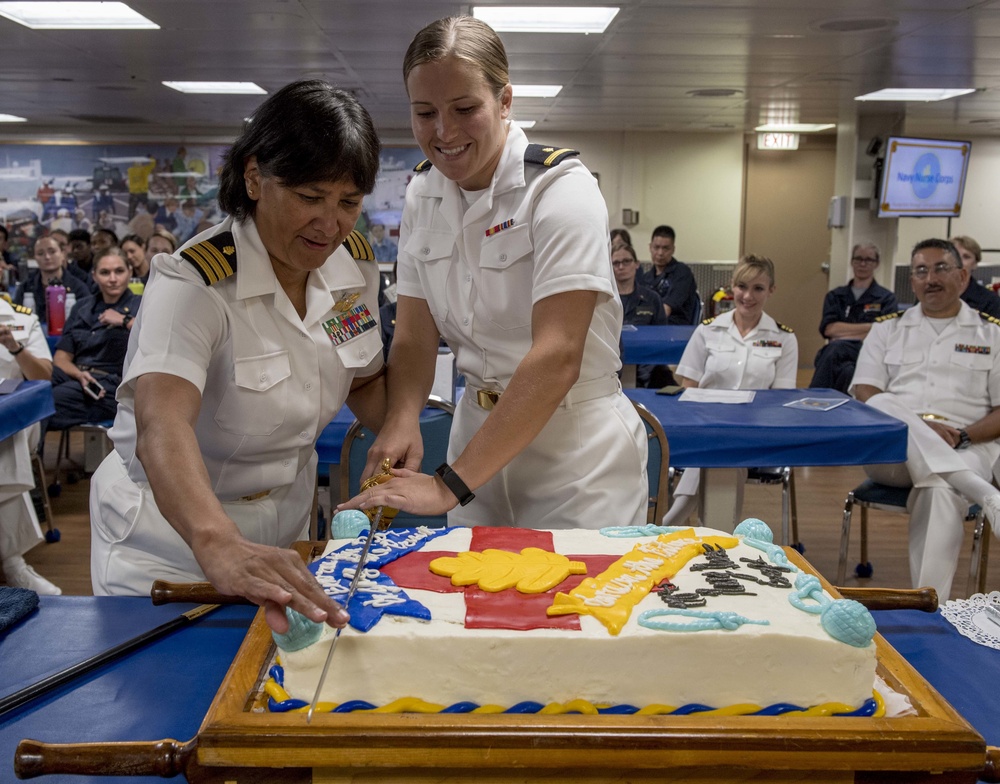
<point x="969" y="617"/>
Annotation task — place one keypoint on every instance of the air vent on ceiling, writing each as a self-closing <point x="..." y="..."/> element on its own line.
<point x="109" y="119"/>
<point x="855" y="25"/>
<point x="714" y="92"/>
<point x="117" y="88"/>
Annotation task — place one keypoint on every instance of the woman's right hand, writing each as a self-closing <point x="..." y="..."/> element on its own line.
<point x="401" y="444"/>
<point x="270" y="577"/>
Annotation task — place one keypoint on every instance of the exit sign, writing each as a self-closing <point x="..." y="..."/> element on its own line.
<point x="777" y="141"/>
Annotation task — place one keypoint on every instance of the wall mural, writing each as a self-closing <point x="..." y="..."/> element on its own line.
<point x="134" y="188"/>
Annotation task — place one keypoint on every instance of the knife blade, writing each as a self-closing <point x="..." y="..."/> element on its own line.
<point x="350" y="592"/>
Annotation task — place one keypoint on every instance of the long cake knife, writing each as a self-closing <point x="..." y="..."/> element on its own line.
<point x="350" y="592"/>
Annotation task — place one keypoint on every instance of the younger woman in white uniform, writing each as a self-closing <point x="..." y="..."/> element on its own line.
<point x="248" y="342"/>
<point x="504" y="251"/>
<point x="743" y="348"/>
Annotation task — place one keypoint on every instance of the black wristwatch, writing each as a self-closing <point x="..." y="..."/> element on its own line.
<point x="16" y="351"/>
<point x="127" y="319"/>
<point x="963" y="440"/>
<point x="454" y="483"/>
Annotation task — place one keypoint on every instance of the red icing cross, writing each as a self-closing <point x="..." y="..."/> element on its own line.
<point x="508" y="609"/>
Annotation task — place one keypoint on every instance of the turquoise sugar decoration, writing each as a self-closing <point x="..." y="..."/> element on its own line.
<point x="301" y="631"/>
<point x="849" y="621"/>
<point x="633" y="531"/>
<point x="349" y="524"/>
<point x="755" y="529"/>
<point x="808" y="589"/>
<point x="705" y="620"/>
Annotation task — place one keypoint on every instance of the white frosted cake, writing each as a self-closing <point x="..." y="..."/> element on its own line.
<point x="639" y="618"/>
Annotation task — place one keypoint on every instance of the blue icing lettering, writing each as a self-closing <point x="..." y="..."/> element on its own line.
<point x="633" y="531"/>
<point x="706" y="620"/>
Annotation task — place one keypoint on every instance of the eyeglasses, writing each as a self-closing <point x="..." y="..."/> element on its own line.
<point x="864" y="260"/>
<point x="939" y="269"/>
<point x="622" y="263"/>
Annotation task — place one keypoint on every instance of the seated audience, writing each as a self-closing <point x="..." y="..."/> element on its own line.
<point x="620" y="237"/>
<point x="641" y="307"/>
<point x="51" y="272"/>
<point x="848" y="313"/>
<point x="671" y="279"/>
<point x="101" y="240"/>
<point x="24" y="354"/>
<point x="384" y="247"/>
<point x="160" y="241"/>
<point x="743" y="348"/>
<point x="936" y="367"/>
<point x="80" y="256"/>
<point x="134" y="248"/>
<point x="92" y="348"/>
<point x="976" y="295"/>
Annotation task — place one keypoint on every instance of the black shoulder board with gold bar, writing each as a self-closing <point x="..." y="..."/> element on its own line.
<point x="889" y="316"/>
<point x="548" y="156"/>
<point x="214" y="258"/>
<point x="784" y="327"/>
<point x="424" y="165"/>
<point x="708" y="321"/>
<point x="359" y="247"/>
<point x="989" y="318"/>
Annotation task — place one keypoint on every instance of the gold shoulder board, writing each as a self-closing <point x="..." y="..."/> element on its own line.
<point x="708" y="321"/>
<point x="784" y="327"/>
<point x="424" y="165"/>
<point x="22" y="309"/>
<point x="359" y="247"/>
<point x="989" y="318"/>
<point x="889" y="316"/>
<point x="548" y="156"/>
<point x="214" y="258"/>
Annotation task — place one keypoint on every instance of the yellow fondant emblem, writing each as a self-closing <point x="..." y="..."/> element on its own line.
<point x="611" y="595"/>
<point x="346" y="302"/>
<point x="530" y="571"/>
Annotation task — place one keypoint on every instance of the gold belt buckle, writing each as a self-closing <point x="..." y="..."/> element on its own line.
<point x="932" y="417"/>
<point x="256" y="496"/>
<point x="487" y="398"/>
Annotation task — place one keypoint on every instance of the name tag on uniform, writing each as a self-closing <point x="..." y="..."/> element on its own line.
<point x="965" y="348"/>
<point x="768" y="343"/>
<point x="876" y="306"/>
<point x="349" y="324"/>
<point x="18" y="328"/>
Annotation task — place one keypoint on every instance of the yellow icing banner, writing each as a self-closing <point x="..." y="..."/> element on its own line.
<point x="611" y="595"/>
<point x="532" y="570"/>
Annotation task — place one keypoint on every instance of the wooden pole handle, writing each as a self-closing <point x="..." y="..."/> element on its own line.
<point x="991" y="771"/>
<point x="164" y="592"/>
<point x="164" y="758"/>
<point x="925" y="599"/>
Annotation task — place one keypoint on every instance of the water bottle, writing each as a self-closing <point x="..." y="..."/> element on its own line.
<point x="28" y="300"/>
<point x="136" y="286"/>
<point x="55" y="305"/>
<point x="70" y="302"/>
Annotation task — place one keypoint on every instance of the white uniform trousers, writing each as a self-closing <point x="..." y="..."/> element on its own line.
<point x="585" y="469"/>
<point x="19" y="529"/>
<point x="132" y="544"/>
<point x="936" y="509"/>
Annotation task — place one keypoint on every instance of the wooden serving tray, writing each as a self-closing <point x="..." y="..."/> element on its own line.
<point x="937" y="745"/>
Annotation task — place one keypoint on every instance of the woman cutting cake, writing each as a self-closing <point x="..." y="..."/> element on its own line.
<point x="249" y="340"/>
<point x="504" y="252"/>
<point x="743" y="348"/>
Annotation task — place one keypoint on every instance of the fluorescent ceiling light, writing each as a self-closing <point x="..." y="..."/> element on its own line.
<point x="524" y="123"/>
<point x="76" y="16"/>
<point x="217" y="88"/>
<point x="12" y="118"/>
<point x="900" y="94"/>
<point x="545" y="19"/>
<point x="791" y="127"/>
<point x="536" y="90"/>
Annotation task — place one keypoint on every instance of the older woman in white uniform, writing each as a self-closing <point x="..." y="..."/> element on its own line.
<point x="24" y="353"/>
<point x="743" y="348"/>
<point x="504" y="251"/>
<point x="249" y="340"/>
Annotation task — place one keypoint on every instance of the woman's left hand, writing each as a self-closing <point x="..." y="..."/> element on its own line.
<point x="112" y="318"/>
<point x="408" y="491"/>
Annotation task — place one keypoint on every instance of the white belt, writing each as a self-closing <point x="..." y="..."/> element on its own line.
<point x="579" y="393"/>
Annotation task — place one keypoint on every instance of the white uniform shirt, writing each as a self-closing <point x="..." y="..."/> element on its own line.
<point x="269" y="380"/>
<point x="955" y="375"/>
<point x="552" y="237"/>
<point x="718" y="357"/>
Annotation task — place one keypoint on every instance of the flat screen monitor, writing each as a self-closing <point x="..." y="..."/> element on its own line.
<point x="923" y="178"/>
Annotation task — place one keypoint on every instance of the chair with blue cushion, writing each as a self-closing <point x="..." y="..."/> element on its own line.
<point x="657" y="465"/>
<point x="784" y="476"/>
<point x="872" y="495"/>
<point x="435" y="426"/>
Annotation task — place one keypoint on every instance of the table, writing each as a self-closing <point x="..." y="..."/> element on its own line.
<point x="31" y="402"/>
<point x="661" y="345"/>
<point x="164" y="690"/>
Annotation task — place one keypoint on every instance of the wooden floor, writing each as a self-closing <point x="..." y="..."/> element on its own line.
<point x="821" y="493"/>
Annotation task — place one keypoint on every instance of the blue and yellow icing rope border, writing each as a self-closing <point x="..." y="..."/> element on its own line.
<point x="279" y="701"/>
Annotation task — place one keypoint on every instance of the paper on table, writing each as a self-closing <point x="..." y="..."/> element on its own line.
<point x="696" y="395"/>
<point x="816" y="403"/>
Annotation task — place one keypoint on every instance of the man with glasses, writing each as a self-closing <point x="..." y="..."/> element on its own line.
<point x="936" y="367"/>
<point x="848" y="313"/>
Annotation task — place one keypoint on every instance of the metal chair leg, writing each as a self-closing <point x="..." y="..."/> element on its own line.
<point x="845" y="538"/>
<point x="981" y="534"/>
<point x="38" y="469"/>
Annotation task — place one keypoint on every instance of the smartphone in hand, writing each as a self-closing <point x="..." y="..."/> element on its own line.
<point x="93" y="389"/>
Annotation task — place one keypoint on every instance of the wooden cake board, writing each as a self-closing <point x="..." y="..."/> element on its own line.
<point x="936" y="745"/>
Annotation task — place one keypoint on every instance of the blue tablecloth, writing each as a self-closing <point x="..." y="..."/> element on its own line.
<point x="164" y="690"/>
<point x="765" y="433"/>
<point x="655" y="345"/>
<point x="31" y="402"/>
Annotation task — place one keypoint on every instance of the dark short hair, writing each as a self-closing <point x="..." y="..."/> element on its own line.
<point x="133" y="238"/>
<point x="628" y="249"/>
<point x="78" y="234"/>
<point x="3" y="230"/>
<point x="114" y="250"/>
<point x="308" y="131"/>
<point x="622" y="234"/>
<point x="939" y="244"/>
<point x="109" y="232"/>
<point x="663" y="231"/>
